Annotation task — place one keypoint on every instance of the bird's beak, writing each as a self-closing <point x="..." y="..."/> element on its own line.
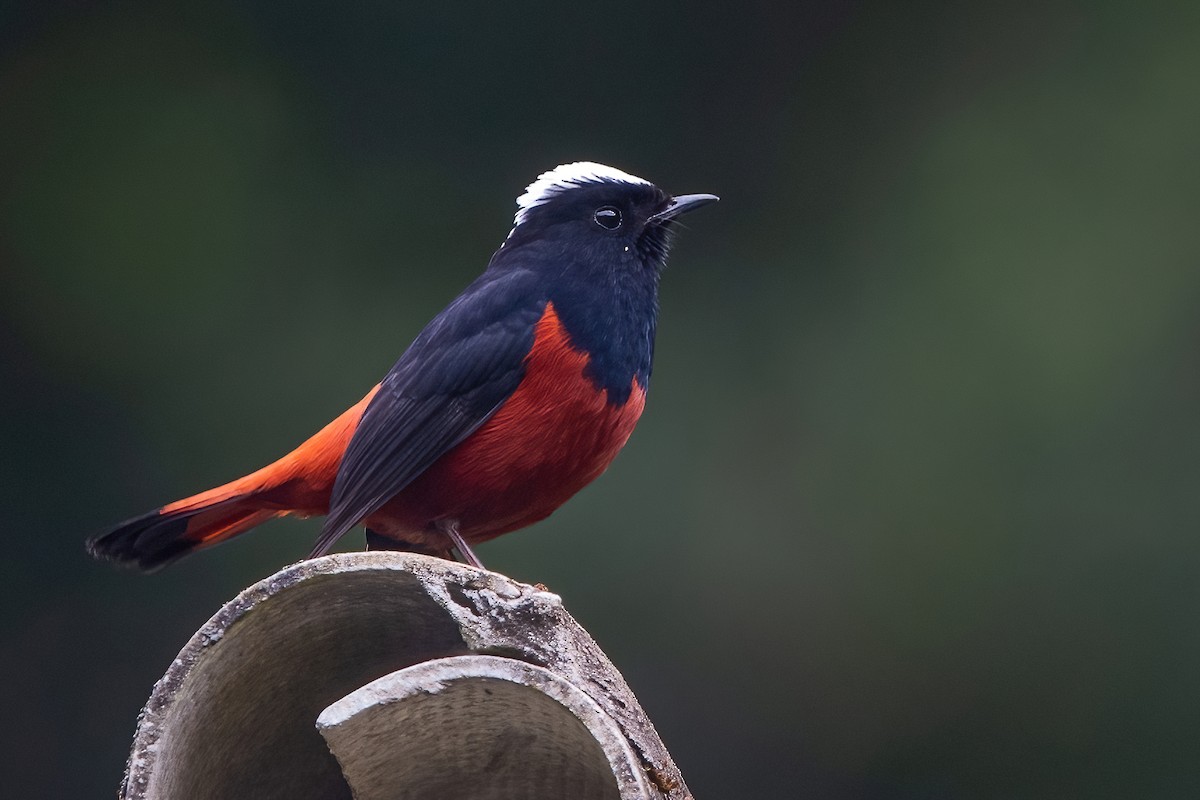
<point x="681" y="203"/>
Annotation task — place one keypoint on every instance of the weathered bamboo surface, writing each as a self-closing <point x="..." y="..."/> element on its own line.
<point x="390" y="675"/>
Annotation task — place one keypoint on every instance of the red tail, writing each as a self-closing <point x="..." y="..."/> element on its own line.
<point x="299" y="483"/>
<point x="156" y="539"/>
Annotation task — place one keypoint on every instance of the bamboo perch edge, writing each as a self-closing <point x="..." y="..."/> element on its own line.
<point x="384" y="674"/>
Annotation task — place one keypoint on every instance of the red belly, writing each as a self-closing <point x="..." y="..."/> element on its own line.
<point x="551" y="438"/>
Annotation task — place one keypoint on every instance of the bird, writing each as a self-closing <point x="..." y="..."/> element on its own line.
<point x="514" y="397"/>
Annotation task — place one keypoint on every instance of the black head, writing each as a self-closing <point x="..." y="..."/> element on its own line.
<point x="597" y="238"/>
<point x="596" y="214"/>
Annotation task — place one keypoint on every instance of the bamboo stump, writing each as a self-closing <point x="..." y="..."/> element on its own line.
<point x="390" y="675"/>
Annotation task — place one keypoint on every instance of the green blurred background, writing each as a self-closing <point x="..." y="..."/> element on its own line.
<point x="913" y="511"/>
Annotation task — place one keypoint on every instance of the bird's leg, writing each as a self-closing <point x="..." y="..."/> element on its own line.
<point x="377" y="541"/>
<point x="450" y="528"/>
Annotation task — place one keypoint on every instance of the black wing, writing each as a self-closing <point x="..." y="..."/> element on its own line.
<point x="453" y="377"/>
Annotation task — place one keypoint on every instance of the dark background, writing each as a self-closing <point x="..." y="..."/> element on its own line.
<point x="913" y="511"/>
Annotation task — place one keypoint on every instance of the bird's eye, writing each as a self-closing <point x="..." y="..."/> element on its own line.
<point x="608" y="218"/>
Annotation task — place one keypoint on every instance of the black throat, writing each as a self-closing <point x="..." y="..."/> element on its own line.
<point x="608" y="307"/>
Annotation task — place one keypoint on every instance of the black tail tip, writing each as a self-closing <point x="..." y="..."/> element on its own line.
<point x="146" y="543"/>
